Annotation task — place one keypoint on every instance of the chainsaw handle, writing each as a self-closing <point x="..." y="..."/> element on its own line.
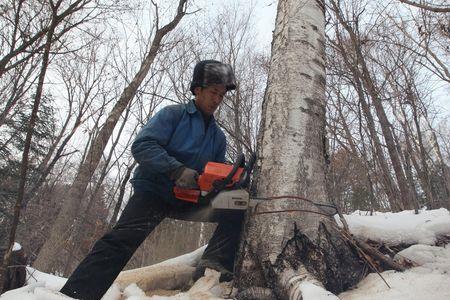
<point x="245" y="176"/>
<point x="221" y="184"/>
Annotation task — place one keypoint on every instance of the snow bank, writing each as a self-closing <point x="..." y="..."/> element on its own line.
<point x="430" y="279"/>
<point x="428" y="258"/>
<point x="404" y="286"/>
<point x="43" y="286"/>
<point x="400" y="228"/>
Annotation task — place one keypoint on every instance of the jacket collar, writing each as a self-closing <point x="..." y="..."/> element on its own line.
<point x="192" y="109"/>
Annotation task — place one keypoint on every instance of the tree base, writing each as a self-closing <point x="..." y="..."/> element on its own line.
<point x="321" y="256"/>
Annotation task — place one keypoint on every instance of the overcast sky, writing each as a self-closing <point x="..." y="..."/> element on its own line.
<point x="264" y="20"/>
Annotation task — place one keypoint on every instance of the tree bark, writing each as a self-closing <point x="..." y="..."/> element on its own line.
<point x="410" y="156"/>
<point x="287" y="242"/>
<point x="60" y="230"/>
<point x="121" y="195"/>
<point x="445" y="169"/>
<point x="424" y="173"/>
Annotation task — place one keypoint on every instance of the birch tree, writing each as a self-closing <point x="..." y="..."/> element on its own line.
<point x="291" y="242"/>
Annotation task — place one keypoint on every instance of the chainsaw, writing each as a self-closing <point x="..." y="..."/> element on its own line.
<point x="222" y="186"/>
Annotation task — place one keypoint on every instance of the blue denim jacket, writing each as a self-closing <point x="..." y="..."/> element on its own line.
<point x="175" y="136"/>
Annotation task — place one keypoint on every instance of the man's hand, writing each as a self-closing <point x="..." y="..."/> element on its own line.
<point x="185" y="178"/>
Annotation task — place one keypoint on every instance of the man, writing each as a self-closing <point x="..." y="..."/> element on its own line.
<point x="171" y="149"/>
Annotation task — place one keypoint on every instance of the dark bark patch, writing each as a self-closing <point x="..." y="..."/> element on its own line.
<point x="307" y="76"/>
<point x="344" y="268"/>
<point x="320" y="80"/>
<point x="321" y="5"/>
<point x="306" y="43"/>
<point x="310" y="101"/>
<point x="318" y="62"/>
<point x="309" y="112"/>
<point x="328" y="258"/>
<point x="256" y="293"/>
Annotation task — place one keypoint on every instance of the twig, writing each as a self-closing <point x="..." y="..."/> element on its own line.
<point x="363" y="254"/>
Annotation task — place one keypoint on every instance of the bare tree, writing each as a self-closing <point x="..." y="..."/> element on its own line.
<point x="85" y="171"/>
<point x="400" y="73"/>
<point x="27" y="34"/>
<point x="430" y="7"/>
<point x="391" y="189"/>
<point x="233" y="41"/>
<point x="427" y="35"/>
<point x="363" y="72"/>
<point x="25" y="156"/>
<point x="25" y="45"/>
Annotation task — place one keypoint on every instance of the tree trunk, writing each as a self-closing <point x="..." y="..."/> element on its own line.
<point x="355" y="151"/>
<point x="121" y="195"/>
<point x="407" y="168"/>
<point x="286" y="241"/>
<point x="405" y="190"/>
<point x="445" y="169"/>
<point x="391" y="190"/>
<point x="410" y="158"/>
<point x="424" y="173"/>
<point x="27" y="146"/>
<point x="60" y="231"/>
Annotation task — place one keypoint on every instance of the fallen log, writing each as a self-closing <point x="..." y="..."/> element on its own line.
<point x="169" y="277"/>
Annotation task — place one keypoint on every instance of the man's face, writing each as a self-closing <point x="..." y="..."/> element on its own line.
<point x="209" y="98"/>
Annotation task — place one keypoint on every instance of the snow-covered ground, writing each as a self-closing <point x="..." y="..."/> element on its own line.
<point x="429" y="279"/>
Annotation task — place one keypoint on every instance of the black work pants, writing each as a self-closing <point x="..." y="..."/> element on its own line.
<point x="144" y="211"/>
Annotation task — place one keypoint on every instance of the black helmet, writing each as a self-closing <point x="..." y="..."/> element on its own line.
<point x="208" y="72"/>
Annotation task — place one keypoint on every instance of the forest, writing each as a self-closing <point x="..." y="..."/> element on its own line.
<point x="79" y="78"/>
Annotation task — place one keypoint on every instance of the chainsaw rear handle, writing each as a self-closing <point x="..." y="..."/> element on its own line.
<point x="219" y="185"/>
<point x="244" y="181"/>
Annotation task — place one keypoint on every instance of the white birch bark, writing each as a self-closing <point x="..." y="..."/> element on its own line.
<point x="291" y="148"/>
<point x="292" y="160"/>
<point x="289" y="242"/>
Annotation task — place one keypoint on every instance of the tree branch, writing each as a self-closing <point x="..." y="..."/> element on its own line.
<point x="443" y="9"/>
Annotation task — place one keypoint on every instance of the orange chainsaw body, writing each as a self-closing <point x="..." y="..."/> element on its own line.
<point x="213" y="171"/>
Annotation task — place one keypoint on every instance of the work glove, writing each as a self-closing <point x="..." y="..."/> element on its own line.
<point x="185" y="178"/>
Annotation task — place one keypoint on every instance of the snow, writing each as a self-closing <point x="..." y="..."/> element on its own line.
<point x="133" y="291"/>
<point x="430" y="258"/>
<point x="50" y="281"/>
<point x="312" y="291"/>
<point x="404" y="286"/>
<point x="16" y="247"/>
<point x="114" y="293"/>
<point x="400" y="228"/>
<point x="428" y="279"/>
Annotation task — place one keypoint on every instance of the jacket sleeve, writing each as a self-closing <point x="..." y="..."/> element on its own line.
<point x="221" y="148"/>
<point x="148" y="147"/>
